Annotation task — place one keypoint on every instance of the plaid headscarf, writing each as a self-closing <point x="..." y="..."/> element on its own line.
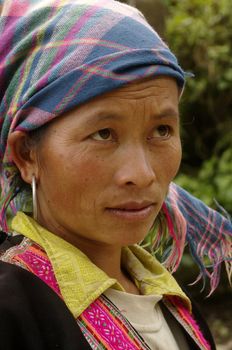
<point x="58" y="54"/>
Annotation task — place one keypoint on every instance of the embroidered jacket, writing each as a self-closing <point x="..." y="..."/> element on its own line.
<point x="100" y="323"/>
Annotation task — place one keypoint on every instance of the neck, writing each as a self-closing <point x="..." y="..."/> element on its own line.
<point x="108" y="259"/>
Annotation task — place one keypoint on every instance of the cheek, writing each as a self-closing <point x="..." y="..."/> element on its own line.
<point x="170" y="159"/>
<point x="87" y="178"/>
<point x="175" y="157"/>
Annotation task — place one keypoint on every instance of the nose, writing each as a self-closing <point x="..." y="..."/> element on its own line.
<point x="135" y="168"/>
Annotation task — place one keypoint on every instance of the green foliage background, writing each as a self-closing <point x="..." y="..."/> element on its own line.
<point x="200" y="33"/>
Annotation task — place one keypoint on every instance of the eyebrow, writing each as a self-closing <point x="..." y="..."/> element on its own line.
<point x="168" y="112"/>
<point x="102" y="115"/>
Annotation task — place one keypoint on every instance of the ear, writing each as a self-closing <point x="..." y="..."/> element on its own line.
<point x="23" y="156"/>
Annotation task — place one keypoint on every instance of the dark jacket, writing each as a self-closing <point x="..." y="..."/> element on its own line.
<point x="33" y="317"/>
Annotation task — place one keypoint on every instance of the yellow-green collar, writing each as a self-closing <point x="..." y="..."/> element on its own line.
<point x="81" y="282"/>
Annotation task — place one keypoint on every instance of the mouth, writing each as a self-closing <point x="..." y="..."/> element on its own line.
<point x="132" y="211"/>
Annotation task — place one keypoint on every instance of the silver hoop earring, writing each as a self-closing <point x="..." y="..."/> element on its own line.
<point x="34" y="197"/>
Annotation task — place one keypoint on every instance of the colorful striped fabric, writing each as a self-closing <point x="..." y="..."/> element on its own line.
<point x="58" y="54"/>
<point x="208" y="234"/>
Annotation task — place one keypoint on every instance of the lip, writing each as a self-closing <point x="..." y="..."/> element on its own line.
<point x="132" y="211"/>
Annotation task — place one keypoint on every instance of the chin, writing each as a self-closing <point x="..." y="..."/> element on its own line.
<point x="126" y="238"/>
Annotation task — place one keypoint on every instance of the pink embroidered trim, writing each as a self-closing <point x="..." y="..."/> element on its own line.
<point x="113" y="333"/>
<point x="188" y="321"/>
<point x="38" y="263"/>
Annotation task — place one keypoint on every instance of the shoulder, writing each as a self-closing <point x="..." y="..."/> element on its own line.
<point x="16" y="318"/>
<point x="19" y="290"/>
<point x="33" y="315"/>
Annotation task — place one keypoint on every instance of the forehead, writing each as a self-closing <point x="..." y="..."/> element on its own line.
<point x="160" y="87"/>
<point x="155" y="97"/>
<point x="162" y="91"/>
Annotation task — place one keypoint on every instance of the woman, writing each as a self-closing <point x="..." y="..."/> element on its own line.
<point x="90" y="121"/>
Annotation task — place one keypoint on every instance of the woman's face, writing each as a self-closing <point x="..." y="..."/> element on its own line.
<point x="103" y="169"/>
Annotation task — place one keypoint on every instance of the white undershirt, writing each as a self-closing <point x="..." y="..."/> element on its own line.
<point x="145" y="315"/>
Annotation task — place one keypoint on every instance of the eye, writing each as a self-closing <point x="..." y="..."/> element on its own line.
<point x="103" y="135"/>
<point x="162" y="131"/>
